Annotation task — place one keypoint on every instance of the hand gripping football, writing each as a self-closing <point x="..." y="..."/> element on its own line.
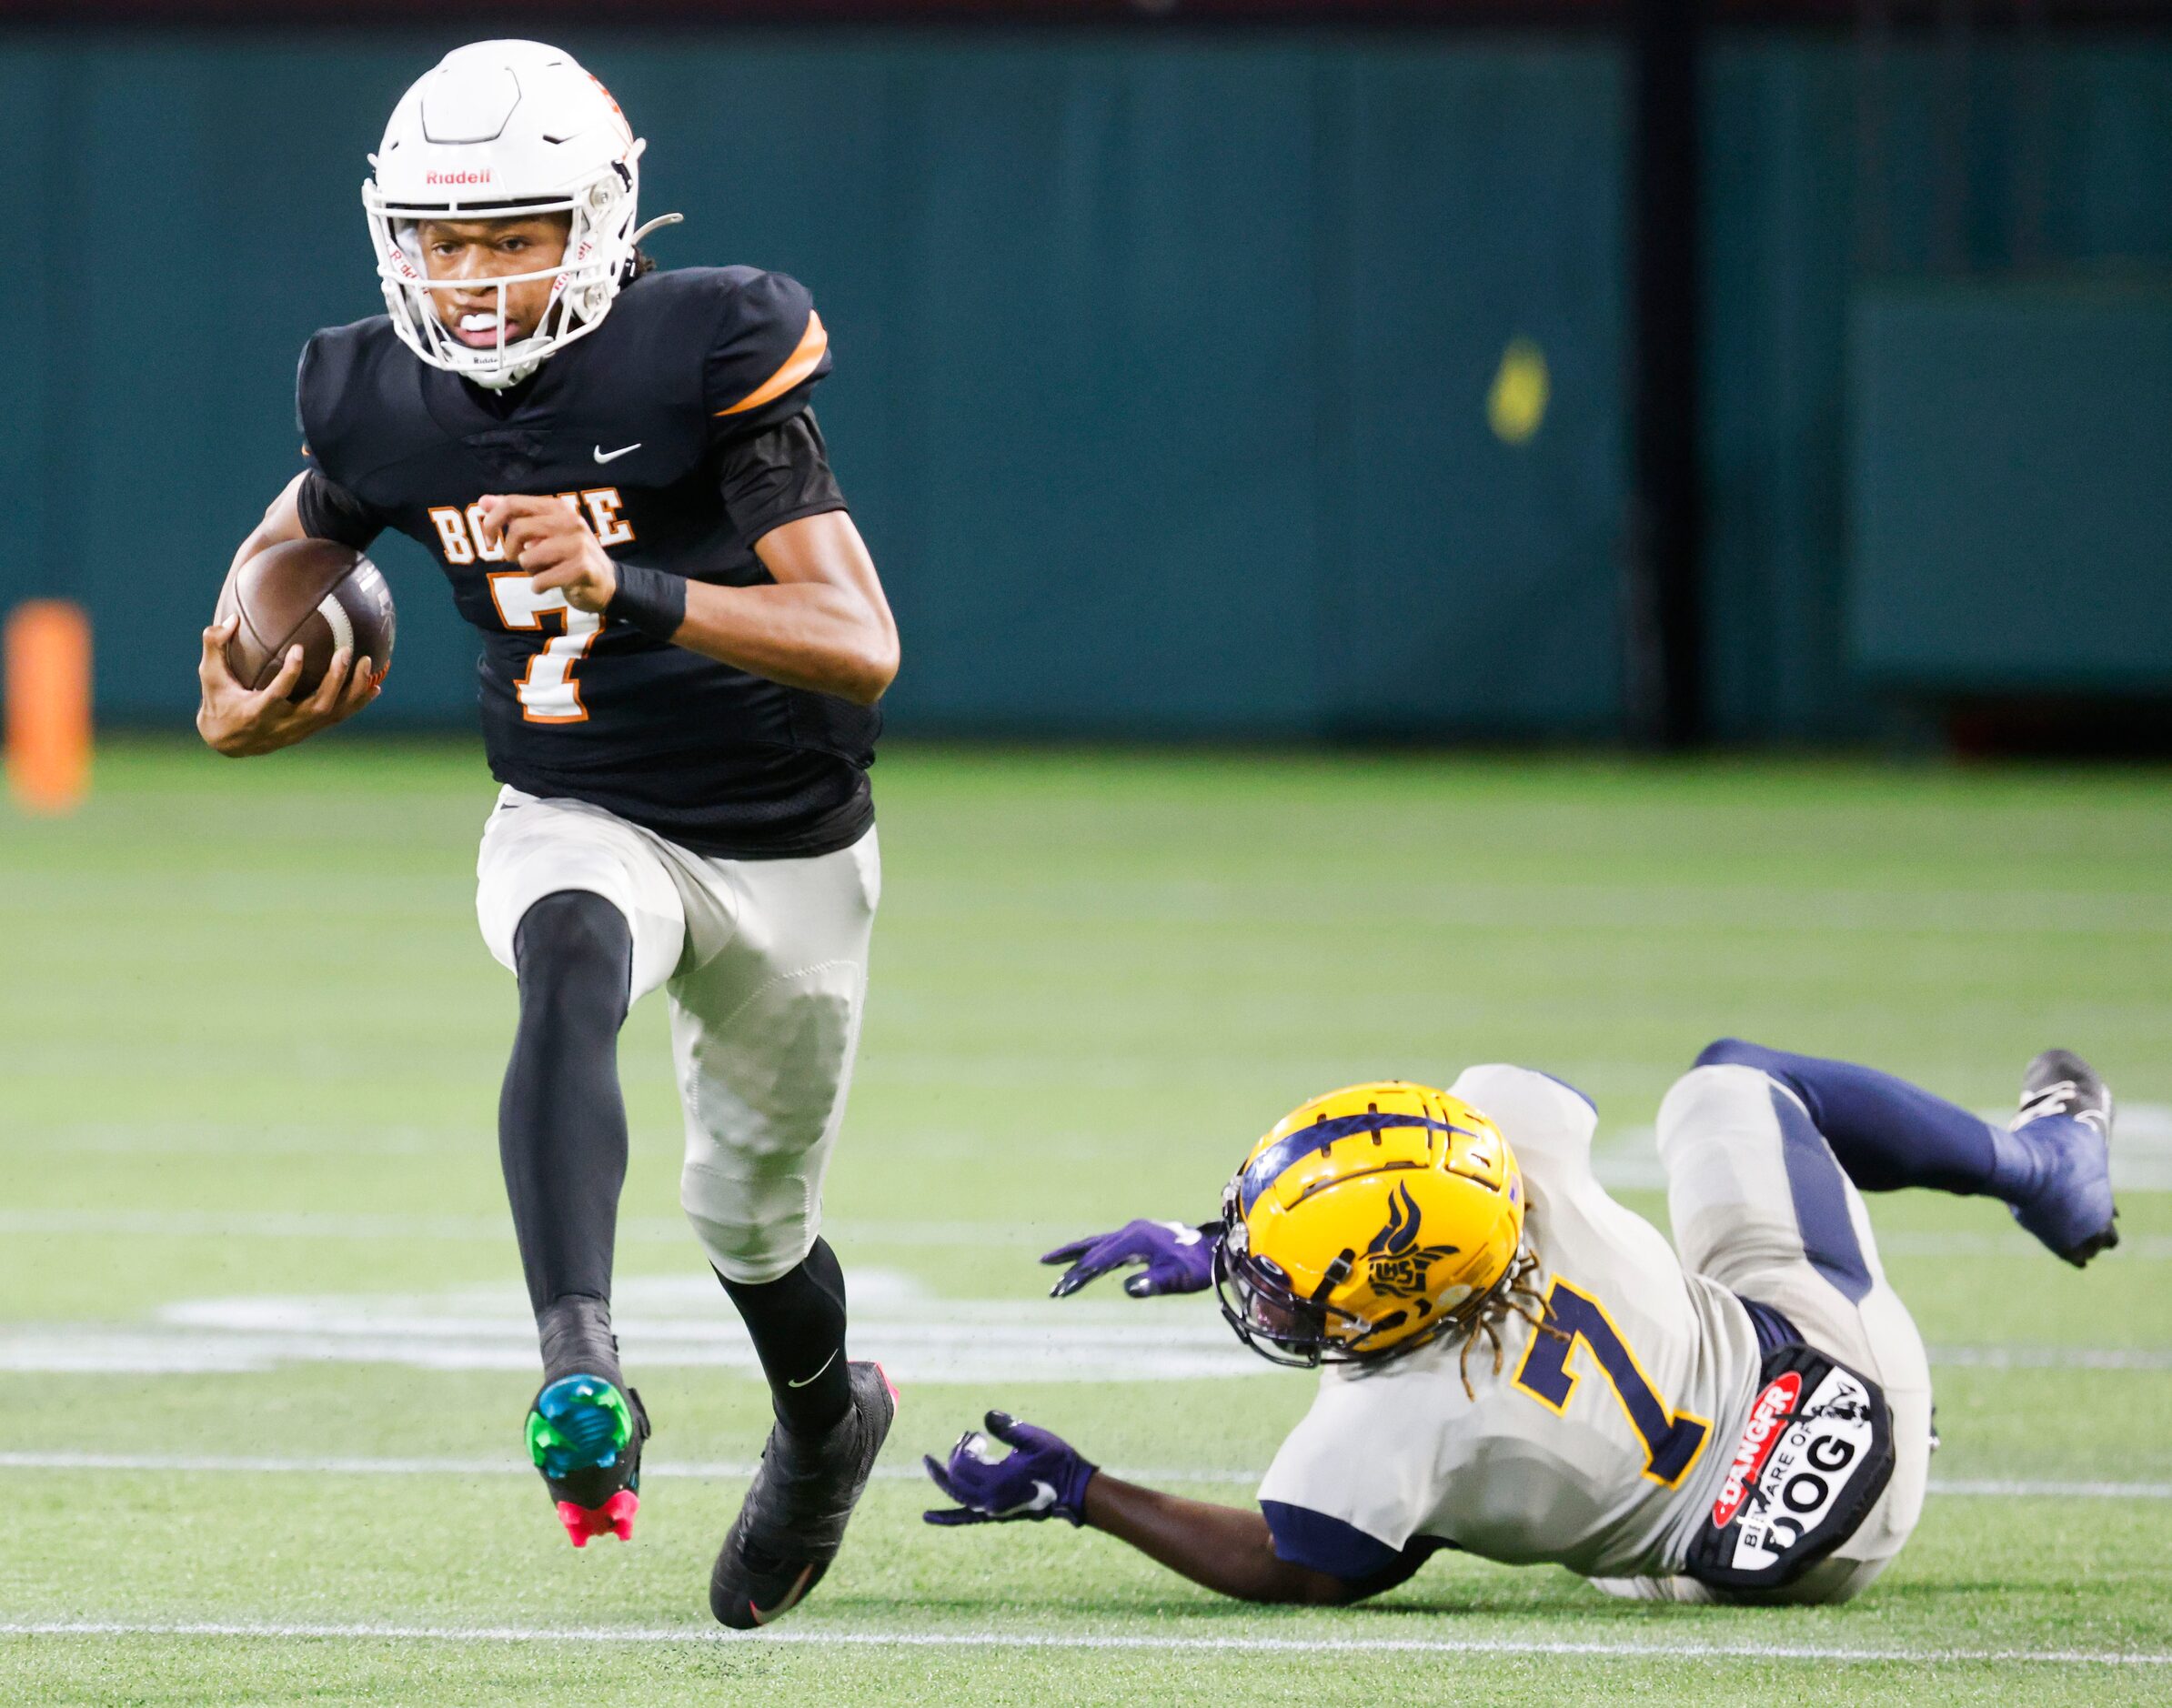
<point x="311" y="593"/>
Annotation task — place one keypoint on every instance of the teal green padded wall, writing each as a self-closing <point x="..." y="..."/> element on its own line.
<point x="1162" y="360"/>
<point x="2012" y="490"/>
<point x="1470" y="196"/>
<point x="1162" y="364"/>
<point x="1782" y="241"/>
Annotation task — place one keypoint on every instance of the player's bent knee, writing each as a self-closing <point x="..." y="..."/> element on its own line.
<point x="746" y="1252"/>
<point x="573" y="950"/>
<point x="1711" y="1087"/>
<point x="753" y="1206"/>
<point x="571" y="925"/>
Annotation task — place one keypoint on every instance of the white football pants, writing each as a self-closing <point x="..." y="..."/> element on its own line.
<point x="1759" y="1204"/>
<point x="766" y="965"/>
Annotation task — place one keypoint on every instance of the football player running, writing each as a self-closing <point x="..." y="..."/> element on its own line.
<point x="683" y="642"/>
<point x="1515" y="1365"/>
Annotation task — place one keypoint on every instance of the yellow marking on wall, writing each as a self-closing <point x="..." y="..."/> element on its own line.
<point x="1516" y="406"/>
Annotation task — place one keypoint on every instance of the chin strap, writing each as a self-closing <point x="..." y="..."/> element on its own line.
<point x="660" y="221"/>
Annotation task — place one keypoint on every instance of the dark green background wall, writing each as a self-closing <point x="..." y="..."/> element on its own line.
<point x="1163" y="363"/>
<point x="1796" y="229"/>
<point x="2011" y="484"/>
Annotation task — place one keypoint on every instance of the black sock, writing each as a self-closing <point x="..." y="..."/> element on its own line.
<point x="798" y="1322"/>
<point x="561" y="1122"/>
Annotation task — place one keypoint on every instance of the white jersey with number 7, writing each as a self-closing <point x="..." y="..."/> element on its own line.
<point x="1598" y="1452"/>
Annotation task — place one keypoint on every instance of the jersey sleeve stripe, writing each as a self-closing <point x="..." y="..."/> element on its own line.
<point x="797" y="366"/>
<point x="1321" y="1542"/>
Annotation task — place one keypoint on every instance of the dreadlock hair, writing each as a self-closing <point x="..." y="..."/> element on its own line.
<point x="1517" y="1295"/>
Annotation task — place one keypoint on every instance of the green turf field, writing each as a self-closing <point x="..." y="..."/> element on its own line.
<point x="249" y="1047"/>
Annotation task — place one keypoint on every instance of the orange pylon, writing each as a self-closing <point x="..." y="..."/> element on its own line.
<point x="47" y="659"/>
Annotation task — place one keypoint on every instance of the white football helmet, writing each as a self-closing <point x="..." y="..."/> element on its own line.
<point x="499" y="129"/>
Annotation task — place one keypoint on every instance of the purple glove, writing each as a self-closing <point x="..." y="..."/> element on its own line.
<point x="1042" y="1476"/>
<point x="1178" y="1259"/>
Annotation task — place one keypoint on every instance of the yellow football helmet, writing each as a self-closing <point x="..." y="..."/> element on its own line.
<point x="1365" y="1224"/>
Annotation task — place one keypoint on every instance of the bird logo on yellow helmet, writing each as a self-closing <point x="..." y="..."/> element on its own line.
<point x="1367" y="1224"/>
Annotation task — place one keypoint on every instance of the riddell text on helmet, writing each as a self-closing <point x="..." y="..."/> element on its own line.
<point x="474" y="175"/>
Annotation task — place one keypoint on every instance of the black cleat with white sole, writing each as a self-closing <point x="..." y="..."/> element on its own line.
<point x="2065" y="1120"/>
<point x="793" y="1522"/>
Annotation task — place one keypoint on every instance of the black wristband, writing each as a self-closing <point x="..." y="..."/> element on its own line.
<point x="651" y="600"/>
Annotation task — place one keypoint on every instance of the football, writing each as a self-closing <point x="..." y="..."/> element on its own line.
<point x="313" y="593"/>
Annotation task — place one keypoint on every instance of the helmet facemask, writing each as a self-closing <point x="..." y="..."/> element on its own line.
<point x="1283" y="1327"/>
<point x="1367" y="1224"/>
<point x="599" y="260"/>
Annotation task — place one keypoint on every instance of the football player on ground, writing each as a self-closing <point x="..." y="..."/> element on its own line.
<point x="1515" y="1365"/>
<point x="683" y="641"/>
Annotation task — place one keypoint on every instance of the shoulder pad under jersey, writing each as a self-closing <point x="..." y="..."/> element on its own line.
<point x="1545" y="1119"/>
<point x="342" y="370"/>
<point x="767" y="354"/>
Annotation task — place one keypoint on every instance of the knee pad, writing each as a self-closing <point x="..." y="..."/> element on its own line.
<point x="743" y="1246"/>
<point x="769" y="1083"/>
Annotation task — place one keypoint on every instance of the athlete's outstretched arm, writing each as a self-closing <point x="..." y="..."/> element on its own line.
<point x="1227" y="1549"/>
<point x="824" y="624"/>
<point x="239" y="723"/>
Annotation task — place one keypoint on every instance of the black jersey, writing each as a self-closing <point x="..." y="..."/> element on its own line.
<point x="679" y="429"/>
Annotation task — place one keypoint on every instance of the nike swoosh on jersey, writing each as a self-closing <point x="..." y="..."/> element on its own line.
<point x="603" y="456"/>
<point x="825" y="1363"/>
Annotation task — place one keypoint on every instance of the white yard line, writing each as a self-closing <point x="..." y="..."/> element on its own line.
<point x="948" y="1347"/>
<point x="1624" y="1157"/>
<point x="2142" y="1248"/>
<point x="191" y="1224"/>
<point x="1623" y="1172"/>
<point x="818" y="1636"/>
<point x="275" y="1464"/>
<point x="2052" y="1357"/>
<point x="2026" y="1486"/>
<point x="312" y="1224"/>
<point x="337" y="1465"/>
<point x="680" y="1322"/>
<point x="1765" y="910"/>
